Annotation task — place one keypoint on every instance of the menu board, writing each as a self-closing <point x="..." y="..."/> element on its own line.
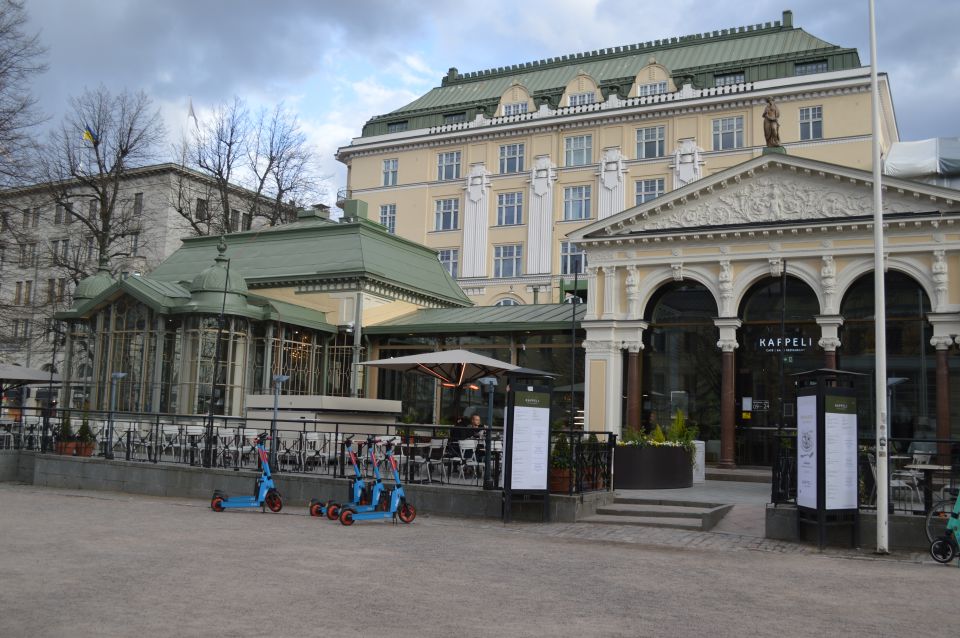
<point x="840" y="452"/>
<point x="530" y="444"/>
<point x="807" y="451"/>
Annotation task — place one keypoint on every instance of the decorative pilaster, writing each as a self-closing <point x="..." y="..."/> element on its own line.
<point x="610" y="293"/>
<point x="611" y="197"/>
<point x="727" y="344"/>
<point x="603" y="374"/>
<point x="939" y="270"/>
<point x="591" y="312"/>
<point x="687" y="163"/>
<point x="829" y="339"/>
<point x="726" y="289"/>
<point x="828" y="282"/>
<point x="633" y="293"/>
<point x="476" y="222"/>
<point x="540" y="216"/>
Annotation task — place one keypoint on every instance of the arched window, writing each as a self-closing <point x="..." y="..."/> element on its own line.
<point x="508" y="301"/>
<point x="681" y="361"/>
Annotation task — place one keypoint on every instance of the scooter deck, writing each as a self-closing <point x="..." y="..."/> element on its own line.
<point x="240" y="501"/>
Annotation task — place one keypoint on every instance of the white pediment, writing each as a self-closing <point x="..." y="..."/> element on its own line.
<point x="761" y="191"/>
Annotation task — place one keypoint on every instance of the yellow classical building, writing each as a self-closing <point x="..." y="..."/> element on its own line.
<point x="494" y="169"/>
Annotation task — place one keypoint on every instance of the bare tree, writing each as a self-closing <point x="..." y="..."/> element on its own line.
<point x="21" y="59"/>
<point x="281" y="163"/>
<point x="87" y="160"/>
<point x="218" y="150"/>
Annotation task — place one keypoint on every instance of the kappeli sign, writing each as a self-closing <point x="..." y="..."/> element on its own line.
<point x="788" y="344"/>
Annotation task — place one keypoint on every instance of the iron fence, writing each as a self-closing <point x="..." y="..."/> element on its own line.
<point x="425" y="453"/>
<point x="921" y="472"/>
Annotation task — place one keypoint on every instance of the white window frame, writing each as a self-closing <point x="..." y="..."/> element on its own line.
<point x="388" y="217"/>
<point x="576" y="202"/>
<point x="510" y="209"/>
<point x="809" y="68"/>
<point x="450" y="258"/>
<point x="569" y="254"/>
<point x="446" y="215"/>
<point x="515" y="108"/>
<point x="511" y="158"/>
<point x="649" y="189"/>
<point x="651" y="88"/>
<point x="507" y="261"/>
<point x="578" y="150"/>
<point x="582" y="99"/>
<point x="729" y="79"/>
<point x="810" y="116"/>
<point x="448" y="166"/>
<point x="390" y="167"/>
<point x="654" y="136"/>
<point x="724" y="127"/>
<point x="508" y="301"/>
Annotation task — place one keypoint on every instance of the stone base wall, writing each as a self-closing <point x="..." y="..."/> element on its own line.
<point x="904" y="532"/>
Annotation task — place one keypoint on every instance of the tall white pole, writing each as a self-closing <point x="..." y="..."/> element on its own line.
<point x="880" y="302"/>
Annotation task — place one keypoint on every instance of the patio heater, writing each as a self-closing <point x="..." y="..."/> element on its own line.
<point x="489" y="387"/>
<point x="278" y="380"/>
<point x="116" y="376"/>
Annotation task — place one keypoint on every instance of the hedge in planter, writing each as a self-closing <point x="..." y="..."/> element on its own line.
<point x="656" y="461"/>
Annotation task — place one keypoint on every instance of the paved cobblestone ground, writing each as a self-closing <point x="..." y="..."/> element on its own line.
<point x="104" y="564"/>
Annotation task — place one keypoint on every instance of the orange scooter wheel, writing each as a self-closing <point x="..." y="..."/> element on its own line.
<point x="346" y="518"/>
<point x="316" y="509"/>
<point x="333" y="511"/>
<point x="273" y="502"/>
<point x="407" y="513"/>
<point x="216" y="504"/>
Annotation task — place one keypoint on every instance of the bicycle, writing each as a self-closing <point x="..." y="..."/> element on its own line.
<point x="939" y="514"/>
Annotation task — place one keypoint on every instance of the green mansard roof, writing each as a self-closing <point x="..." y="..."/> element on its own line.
<point x="539" y="317"/>
<point x="760" y="51"/>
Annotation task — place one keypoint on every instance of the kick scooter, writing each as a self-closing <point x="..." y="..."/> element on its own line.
<point x="265" y="492"/>
<point x="387" y="504"/>
<point x="944" y="548"/>
<point x="360" y="490"/>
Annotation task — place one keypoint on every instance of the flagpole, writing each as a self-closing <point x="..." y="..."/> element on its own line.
<point x="880" y="312"/>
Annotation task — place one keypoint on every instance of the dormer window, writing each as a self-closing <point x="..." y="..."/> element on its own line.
<point x="397" y="127"/>
<point x="455" y="118"/>
<point x="727" y="79"/>
<point x="807" y="68"/>
<point x="580" y="99"/>
<point x="651" y="88"/>
<point x="517" y="108"/>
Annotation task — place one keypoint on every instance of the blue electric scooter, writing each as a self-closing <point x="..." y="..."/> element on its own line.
<point x="945" y="548"/>
<point x="361" y="491"/>
<point x="387" y="503"/>
<point x="266" y="493"/>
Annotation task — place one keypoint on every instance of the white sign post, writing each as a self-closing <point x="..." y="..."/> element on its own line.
<point x="807" y="451"/>
<point x="527" y="450"/>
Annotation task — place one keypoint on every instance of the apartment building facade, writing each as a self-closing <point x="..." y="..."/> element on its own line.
<point x="494" y="169"/>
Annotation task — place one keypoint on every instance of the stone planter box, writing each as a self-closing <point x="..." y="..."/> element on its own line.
<point x="652" y="468"/>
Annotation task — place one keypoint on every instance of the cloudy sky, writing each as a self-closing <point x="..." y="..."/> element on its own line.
<point x="337" y="63"/>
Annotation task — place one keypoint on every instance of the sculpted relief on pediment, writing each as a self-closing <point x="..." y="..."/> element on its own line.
<point x="771" y="199"/>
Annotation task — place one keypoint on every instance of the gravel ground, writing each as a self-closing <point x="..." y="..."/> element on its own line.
<point x="105" y="564"/>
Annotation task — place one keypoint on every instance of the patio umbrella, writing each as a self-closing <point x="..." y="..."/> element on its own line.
<point x="454" y="368"/>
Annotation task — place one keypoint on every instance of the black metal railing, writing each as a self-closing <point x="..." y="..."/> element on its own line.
<point x="581" y="461"/>
<point x="920" y="472"/>
<point x="425" y="453"/>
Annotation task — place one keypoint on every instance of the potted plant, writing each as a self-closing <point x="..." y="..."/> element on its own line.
<point x="66" y="442"/>
<point x="561" y="466"/>
<point x="659" y="460"/>
<point x="85" y="438"/>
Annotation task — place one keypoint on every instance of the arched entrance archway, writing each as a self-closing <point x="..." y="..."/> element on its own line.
<point x="681" y="362"/>
<point x="911" y="360"/>
<point x="778" y="338"/>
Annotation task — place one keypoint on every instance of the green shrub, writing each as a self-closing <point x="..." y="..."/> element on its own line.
<point x="560" y="458"/>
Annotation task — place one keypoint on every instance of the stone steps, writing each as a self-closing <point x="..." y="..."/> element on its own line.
<point x="651" y="512"/>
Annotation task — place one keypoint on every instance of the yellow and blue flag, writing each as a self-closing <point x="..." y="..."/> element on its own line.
<point x="89" y="136"/>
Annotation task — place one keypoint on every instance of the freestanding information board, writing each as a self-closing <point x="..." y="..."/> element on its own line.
<point x="827" y="484"/>
<point x="527" y="450"/>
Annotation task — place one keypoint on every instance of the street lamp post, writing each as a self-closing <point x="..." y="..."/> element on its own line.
<point x="278" y="380"/>
<point x="116" y="376"/>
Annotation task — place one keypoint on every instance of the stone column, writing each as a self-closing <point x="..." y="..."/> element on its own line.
<point x="603" y="370"/>
<point x="591" y="312"/>
<point x="829" y="341"/>
<point x="634" y="379"/>
<point x="476" y="222"/>
<point x="942" y="343"/>
<point x="727" y="344"/>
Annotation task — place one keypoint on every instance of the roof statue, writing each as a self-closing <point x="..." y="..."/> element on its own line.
<point x="771" y="124"/>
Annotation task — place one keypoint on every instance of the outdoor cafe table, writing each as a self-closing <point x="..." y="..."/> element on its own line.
<point x="928" y="469"/>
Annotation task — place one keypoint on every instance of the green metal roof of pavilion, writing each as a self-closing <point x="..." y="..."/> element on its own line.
<point x="313" y="252"/>
<point x="538" y="317"/>
<point x="760" y="52"/>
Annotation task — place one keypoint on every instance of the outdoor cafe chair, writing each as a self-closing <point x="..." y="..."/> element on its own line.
<point x="310" y="450"/>
<point x="436" y="457"/>
<point x="895" y="484"/>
